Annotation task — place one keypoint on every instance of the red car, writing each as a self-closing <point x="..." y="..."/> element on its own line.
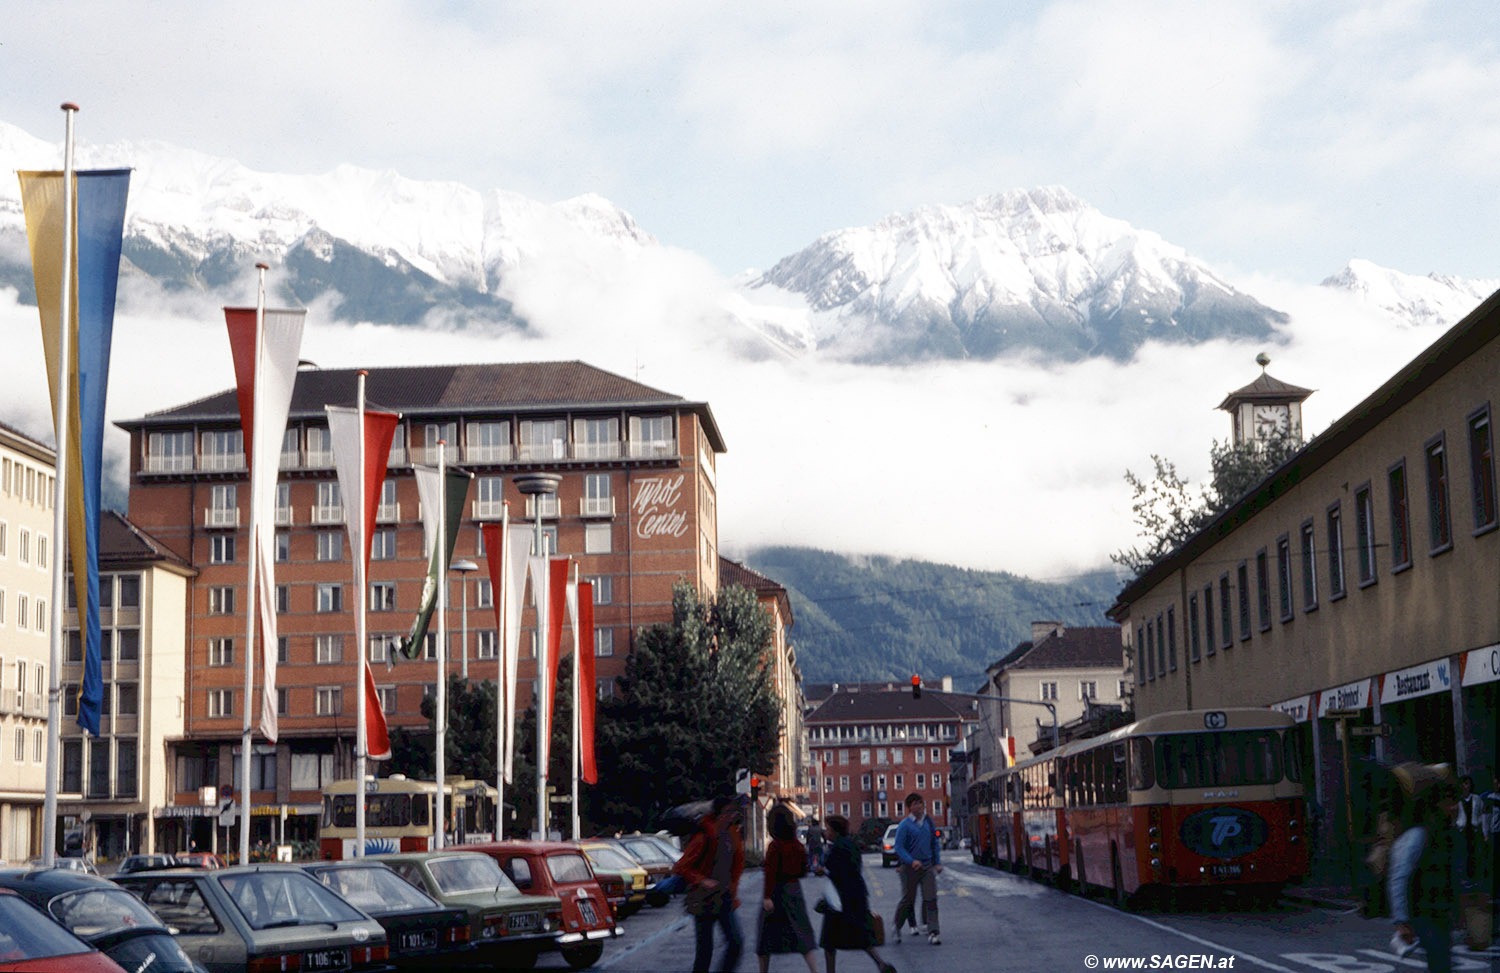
<point x="199" y="859"/>
<point x="560" y="869"/>
<point x="30" y="942"/>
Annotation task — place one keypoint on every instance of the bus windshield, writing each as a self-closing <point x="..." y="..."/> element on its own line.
<point x="1226" y="759"/>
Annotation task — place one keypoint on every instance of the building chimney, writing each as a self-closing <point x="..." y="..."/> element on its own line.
<point x="1040" y="630"/>
<point x="947" y="684"/>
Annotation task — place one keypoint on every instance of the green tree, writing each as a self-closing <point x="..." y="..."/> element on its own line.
<point x="695" y="704"/>
<point x="1167" y="513"/>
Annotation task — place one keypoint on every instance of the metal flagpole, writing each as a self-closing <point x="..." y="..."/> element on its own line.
<point x="440" y="820"/>
<point x="361" y="731"/>
<point x="252" y="562"/>
<point x="62" y="422"/>
<point x="577" y="700"/>
<point x="502" y="670"/>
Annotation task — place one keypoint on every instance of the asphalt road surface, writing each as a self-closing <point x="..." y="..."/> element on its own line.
<point x="997" y="921"/>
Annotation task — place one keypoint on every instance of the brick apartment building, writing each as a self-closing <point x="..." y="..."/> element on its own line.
<point x="636" y="508"/>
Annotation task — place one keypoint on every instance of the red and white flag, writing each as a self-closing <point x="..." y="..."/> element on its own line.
<point x="506" y="550"/>
<point x="272" y="382"/>
<point x="581" y="616"/>
<point x="361" y="443"/>
<point x="549" y="579"/>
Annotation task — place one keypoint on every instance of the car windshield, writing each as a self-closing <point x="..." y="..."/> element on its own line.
<point x="91" y="913"/>
<point x="375" y="888"/>
<point x="646" y="851"/>
<point x="1228" y="759"/>
<point x="285" y="898"/>
<point x="569" y="868"/>
<point x="468" y="873"/>
<point x="27" y="935"/>
<point x="609" y="860"/>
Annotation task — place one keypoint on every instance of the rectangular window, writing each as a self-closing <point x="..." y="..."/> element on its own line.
<point x="598" y="538"/>
<point x="72" y="766"/>
<point x="489" y="497"/>
<point x="221" y="549"/>
<point x="291" y="448"/>
<point x="1439" y="519"/>
<point x="1364" y="528"/>
<point x="544" y="439"/>
<point x="598" y="500"/>
<point x="283" y="647"/>
<point x="98" y="769"/>
<point x="1172" y="639"/>
<point x="223" y="506"/>
<point x="221" y="652"/>
<point x="1088" y="689"/>
<point x="1309" y="567"/>
<point x="1395" y="479"/>
<point x="221" y="702"/>
<point x="330" y="598"/>
<point x="1482" y="469"/>
<point x="488" y="442"/>
<point x="1195" y="647"/>
<point x="130" y="591"/>
<point x="221" y="600"/>
<point x="330" y="701"/>
<point x="596" y="438"/>
<point x="651" y="436"/>
<point x="128" y="644"/>
<point x="223" y="450"/>
<point x="23" y="548"/>
<point x="283" y="598"/>
<point x="283" y="547"/>
<point x="328" y="648"/>
<point x="1049" y="690"/>
<point x="387" y="696"/>
<point x="283" y="504"/>
<point x="330" y="505"/>
<point x="1335" y="552"/>
<point x="1284" y="576"/>
<point x="283" y="701"/>
<point x="604" y="589"/>
<point x="1143" y="656"/>
<point x="41" y="550"/>
<point x="23" y="605"/>
<point x="319" y="447"/>
<point x="330" y="545"/>
<point x="1242" y="575"/>
<point x="604" y="641"/>
<point x="128" y="699"/>
<point x="484" y="644"/>
<point x="382" y="596"/>
<point x="169" y="452"/>
<point x="383" y="544"/>
<point x="1209" y="644"/>
<point x="382" y="647"/>
<point x="1263" y="589"/>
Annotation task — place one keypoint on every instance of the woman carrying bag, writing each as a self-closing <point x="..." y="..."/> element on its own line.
<point x="850" y="926"/>
<point x="784" y="926"/>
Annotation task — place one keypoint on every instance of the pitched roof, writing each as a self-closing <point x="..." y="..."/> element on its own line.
<point x="874" y="707"/>
<point x="427" y="390"/>
<point x="1266" y="388"/>
<point x="27" y="443"/>
<point x="733" y="572"/>
<point x="122" y="542"/>
<point x="1081" y="647"/>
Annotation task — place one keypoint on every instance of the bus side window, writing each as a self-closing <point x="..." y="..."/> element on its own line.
<point x="1117" y="775"/>
<point x="421" y="813"/>
<point x="1142" y="768"/>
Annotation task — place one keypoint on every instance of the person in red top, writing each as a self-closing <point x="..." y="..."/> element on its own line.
<point x="712" y="864"/>
<point x="784" y="926"/>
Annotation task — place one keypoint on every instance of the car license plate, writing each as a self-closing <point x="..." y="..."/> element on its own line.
<point x="1225" y="871"/>
<point x="421" y="939"/>
<point x="326" y="959"/>
<point x="522" y="921"/>
<point x="586" y="910"/>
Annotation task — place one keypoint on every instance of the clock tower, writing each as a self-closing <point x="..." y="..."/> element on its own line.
<point x="1266" y="409"/>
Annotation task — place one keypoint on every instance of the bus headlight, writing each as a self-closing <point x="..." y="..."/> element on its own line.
<point x="1156" y="864"/>
<point x="1155" y="848"/>
<point x="1153" y="832"/>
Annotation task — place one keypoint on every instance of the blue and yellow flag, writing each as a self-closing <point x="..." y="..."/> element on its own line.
<point x="96" y="236"/>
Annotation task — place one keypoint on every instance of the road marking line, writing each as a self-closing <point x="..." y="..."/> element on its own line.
<point x="671" y="928"/>
<point x="1190" y="937"/>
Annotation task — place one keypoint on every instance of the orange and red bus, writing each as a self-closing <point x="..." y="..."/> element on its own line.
<point x="1189" y="800"/>
<point x="398" y="815"/>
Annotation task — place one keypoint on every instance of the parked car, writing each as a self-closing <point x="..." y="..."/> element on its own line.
<point x="261" y="917"/>
<point x="888" y="847"/>
<point x="102" y="914"/>
<point x="199" y="859"/>
<point x="650" y="856"/>
<point x="71" y="864"/>
<point x="30" y="942"/>
<point x="507" y="926"/>
<point x="559" y="869"/>
<point x="623" y="881"/>
<point x="422" y="933"/>
<point x="145" y="863"/>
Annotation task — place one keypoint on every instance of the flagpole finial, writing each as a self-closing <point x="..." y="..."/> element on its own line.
<point x="69" y="106"/>
<point x="363" y="373"/>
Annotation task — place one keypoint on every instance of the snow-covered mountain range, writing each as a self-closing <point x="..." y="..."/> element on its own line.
<point x="1037" y="272"/>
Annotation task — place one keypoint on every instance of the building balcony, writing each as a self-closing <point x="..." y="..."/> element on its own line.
<point x="221" y="463"/>
<point x="328" y="513"/>
<point x="284" y="516"/>
<point x="388" y="513"/>
<point x="551" y="506"/>
<point x="290" y="459"/>
<point x="319" y="459"/>
<point x="397" y="455"/>
<point x="488" y="509"/>
<point x="539" y="452"/>
<point x="225" y="517"/>
<point x="653" y="449"/>
<point x="596" y="506"/>
<point x="609" y="450"/>
<point x="169" y="464"/>
<point x="498" y="453"/>
<point x="35" y="704"/>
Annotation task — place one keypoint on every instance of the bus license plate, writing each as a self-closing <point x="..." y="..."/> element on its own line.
<point x="1225" y="871"/>
<point x="326" y="959"/>
<point x="586" y="910"/>
<point x="522" y="921"/>
<point x="421" y="939"/>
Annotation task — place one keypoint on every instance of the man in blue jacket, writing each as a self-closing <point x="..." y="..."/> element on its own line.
<point x="920" y="862"/>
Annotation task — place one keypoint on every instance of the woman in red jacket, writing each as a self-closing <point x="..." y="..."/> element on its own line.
<point x="711" y="864"/>
<point x="784" y="926"/>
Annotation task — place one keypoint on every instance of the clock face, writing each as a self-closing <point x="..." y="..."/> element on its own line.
<point x="1272" y="420"/>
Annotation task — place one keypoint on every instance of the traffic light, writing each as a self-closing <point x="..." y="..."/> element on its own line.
<point x="754" y="786"/>
<point x="916" y="686"/>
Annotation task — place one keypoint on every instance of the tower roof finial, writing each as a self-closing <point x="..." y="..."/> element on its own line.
<point x="1262" y="360"/>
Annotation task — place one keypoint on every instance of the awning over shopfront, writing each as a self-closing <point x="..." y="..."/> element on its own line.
<point x="1414" y="681"/>
<point x="1300" y="708"/>
<point x="1481" y="666"/>
<point x="1352" y="695"/>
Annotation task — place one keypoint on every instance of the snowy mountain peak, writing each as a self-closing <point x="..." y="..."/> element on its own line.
<point x="1437" y="299"/>
<point x="1037" y="268"/>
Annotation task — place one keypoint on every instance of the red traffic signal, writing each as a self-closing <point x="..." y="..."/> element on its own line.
<point x="916" y="686"/>
<point x="755" y="785"/>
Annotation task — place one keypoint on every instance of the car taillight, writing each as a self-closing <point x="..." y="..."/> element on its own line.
<point x="494" y="927"/>
<point x="458" y="934"/>
<point x="369" y="954"/>
<point x="274" y="963"/>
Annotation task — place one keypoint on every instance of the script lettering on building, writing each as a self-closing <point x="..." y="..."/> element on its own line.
<point x="657" y="507"/>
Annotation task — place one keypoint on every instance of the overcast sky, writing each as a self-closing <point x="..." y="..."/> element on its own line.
<point x="1275" y="140"/>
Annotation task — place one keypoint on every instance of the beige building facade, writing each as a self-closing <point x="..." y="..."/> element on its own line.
<point x="1358" y="584"/>
<point x="27" y="469"/>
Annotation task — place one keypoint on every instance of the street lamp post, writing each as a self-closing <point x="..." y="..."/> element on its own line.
<point x="539" y="486"/>
<point x="463" y="567"/>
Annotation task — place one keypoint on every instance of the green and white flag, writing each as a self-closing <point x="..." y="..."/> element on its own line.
<point x="442" y="495"/>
